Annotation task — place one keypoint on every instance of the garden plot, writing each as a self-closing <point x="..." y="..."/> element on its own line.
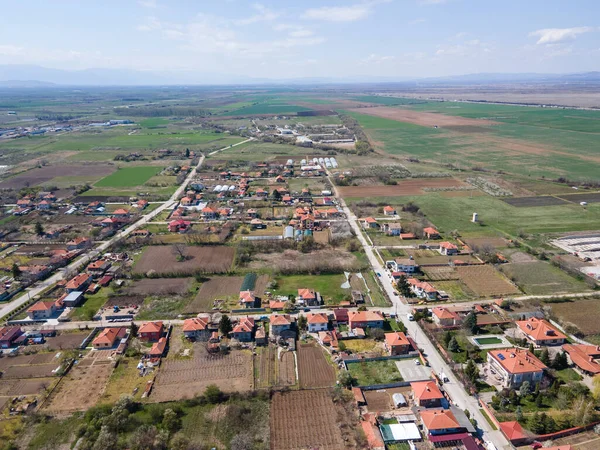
<point x="369" y="373"/>
<point x="160" y="286"/>
<point x="217" y="288"/>
<point x="485" y="281"/>
<point x="313" y="368"/>
<point x="274" y="368"/>
<point x="162" y="259"/>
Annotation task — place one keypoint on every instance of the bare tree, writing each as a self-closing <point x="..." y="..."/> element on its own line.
<point x="180" y="251"/>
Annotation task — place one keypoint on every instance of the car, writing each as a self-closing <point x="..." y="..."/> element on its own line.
<point x="417" y="362"/>
<point x="536" y="445"/>
<point x="378" y="274"/>
<point x="410" y="317"/>
<point x="396" y="293"/>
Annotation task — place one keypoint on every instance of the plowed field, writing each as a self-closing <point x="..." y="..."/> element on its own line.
<point x="313" y="369"/>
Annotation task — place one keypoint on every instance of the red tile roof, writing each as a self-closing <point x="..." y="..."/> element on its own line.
<point x="515" y="360"/>
<point x="195" y="324"/>
<point x="426" y="390"/>
<point x="77" y="281"/>
<point x="151" y="327"/>
<point x="365" y="316"/>
<point x="513" y="430"/>
<point x="444" y="313"/>
<point x="159" y="347"/>
<point x="307" y="293"/>
<point x="396" y="338"/>
<point x="245" y="325"/>
<point x="41" y="306"/>
<point x="280" y="319"/>
<point x="247" y="297"/>
<point x="539" y="329"/>
<point x="317" y="318"/>
<point x="439" y="419"/>
<point x="109" y="336"/>
<point x="584" y="356"/>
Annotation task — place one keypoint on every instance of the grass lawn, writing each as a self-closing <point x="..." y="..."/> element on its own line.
<point x="360" y="345"/>
<point x="374" y="372"/>
<point x="55" y="434"/>
<point x="129" y="176"/>
<point x="329" y="286"/>
<point x="567" y="375"/>
<point x="542" y="278"/>
<point x="376" y="294"/>
<point x="124" y="379"/>
<point x="153" y="122"/>
<point x="91" y="305"/>
<point x="155" y="308"/>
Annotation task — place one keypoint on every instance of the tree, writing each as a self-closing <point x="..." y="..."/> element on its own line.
<point x="596" y="389"/>
<point x="539" y="400"/>
<point x="302" y="322"/>
<point x="276" y="195"/>
<point x="447" y="337"/>
<point x="346" y="379"/>
<point x="39" y="229"/>
<point x="242" y="441"/>
<point x="107" y="439"/>
<point x="470" y="323"/>
<point x="225" y="326"/>
<point x="531" y="349"/>
<point x="535" y="423"/>
<point x="213" y="394"/>
<point x="524" y="389"/>
<point x="180" y="251"/>
<point x="560" y="361"/>
<point x="16" y="271"/>
<point x="404" y="287"/>
<point x="471" y="371"/>
<point x="377" y="334"/>
<point x="171" y="421"/>
<point x="545" y="357"/>
<point x="134" y="329"/>
<point x="519" y="414"/>
<point x="187" y="152"/>
<point x="453" y="345"/>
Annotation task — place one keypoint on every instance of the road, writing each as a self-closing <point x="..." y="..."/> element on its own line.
<point x="39" y="287"/>
<point x="453" y="387"/>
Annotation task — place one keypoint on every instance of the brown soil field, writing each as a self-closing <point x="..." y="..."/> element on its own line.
<point x="82" y="387"/>
<point x="65" y="341"/>
<point x="161" y="260"/>
<point x="287" y="369"/>
<point x="305" y="419"/>
<point x="404" y="187"/>
<point x="483" y="241"/>
<point x="485" y="281"/>
<point x="313" y="369"/>
<point x="43" y="174"/>
<point x="527" y="202"/>
<point x="124" y="301"/>
<point x="160" y="286"/>
<point x="438" y="273"/>
<point x="13" y="388"/>
<point x="295" y="261"/>
<point x="381" y="399"/>
<point x="272" y="371"/>
<point x="591" y="197"/>
<point x="581" y="313"/>
<point x="185" y="378"/>
<point x="425" y="119"/>
<point x="21" y="360"/>
<point x="215" y="288"/>
<point x="31" y="371"/>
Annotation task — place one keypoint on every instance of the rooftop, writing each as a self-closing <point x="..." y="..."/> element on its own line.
<point x="515" y="360"/>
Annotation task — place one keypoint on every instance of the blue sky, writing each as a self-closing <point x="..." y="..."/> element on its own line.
<point x="309" y="38"/>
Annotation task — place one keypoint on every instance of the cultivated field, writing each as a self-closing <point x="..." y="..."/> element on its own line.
<point x="305" y="419"/>
<point x="215" y="288"/>
<point x="273" y="368"/>
<point x="160" y="259"/>
<point x="313" y="368"/>
<point x="541" y="278"/>
<point x="581" y="313"/>
<point x="41" y="175"/>
<point x="380" y="400"/>
<point x="485" y="281"/>
<point x="185" y="378"/>
<point x="404" y="187"/>
<point x="160" y="286"/>
<point x="544" y="200"/>
<point x="129" y="176"/>
<point x="82" y="387"/>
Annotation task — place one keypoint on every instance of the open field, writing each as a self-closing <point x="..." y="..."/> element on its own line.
<point x="128" y="177"/>
<point x="485" y="281"/>
<point x="274" y="368"/>
<point x="83" y="386"/>
<point x="329" y="286"/>
<point x="305" y="419"/>
<point x="160" y="259"/>
<point x="184" y="378"/>
<point x="541" y="278"/>
<point x="368" y="373"/>
<point x="313" y="368"/>
<point x="581" y="313"/>
<point x="45" y="174"/>
<point x="160" y="286"/>
<point x="544" y="200"/>
<point x="404" y="187"/>
<point x="124" y="380"/>
<point x="215" y="288"/>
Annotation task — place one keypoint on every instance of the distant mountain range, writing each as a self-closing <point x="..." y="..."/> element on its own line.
<point x="32" y="76"/>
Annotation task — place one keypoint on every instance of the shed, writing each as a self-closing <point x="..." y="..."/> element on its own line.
<point x="398" y="432"/>
<point x="399" y="400"/>
<point x="73" y="298"/>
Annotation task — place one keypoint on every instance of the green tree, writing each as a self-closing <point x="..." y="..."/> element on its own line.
<point x="213" y="394"/>
<point x="446" y="338"/>
<point x="519" y="414"/>
<point x="39" y="229"/>
<point x="539" y="400"/>
<point x="535" y="423"/>
<point x="276" y="195"/>
<point x="302" y="322"/>
<point x="171" y="421"/>
<point x="545" y="357"/>
<point x="346" y="379"/>
<point x="470" y="323"/>
<point x="453" y="345"/>
<point x="16" y="271"/>
<point x="560" y="361"/>
<point x="225" y="326"/>
<point x="524" y="389"/>
<point x="377" y="334"/>
<point x="404" y="287"/>
<point x="531" y="349"/>
<point x="187" y="152"/>
<point x="134" y="329"/>
<point x="471" y="371"/>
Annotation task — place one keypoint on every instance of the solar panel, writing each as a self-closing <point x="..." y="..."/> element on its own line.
<point x="500" y="356"/>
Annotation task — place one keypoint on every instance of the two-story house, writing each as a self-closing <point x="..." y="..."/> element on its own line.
<point x="423" y="289"/>
<point x="515" y="366"/>
<point x="427" y="394"/>
<point x="541" y="332"/>
<point x="151" y="331"/>
<point x="406" y="265"/>
<point x="247" y="299"/>
<point x="448" y="249"/>
<point x="79" y="282"/>
<point x="317" y="322"/>
<point x="243" y="330"/>
<point x="443" y="317"/>
<point x="308" y="297"/>
<point x="279" y="323"/>
<point x="196" y="329"/>
<point x="365" y="319"/>
<point x="440" y="421"/>
<point x="397" y="343"/>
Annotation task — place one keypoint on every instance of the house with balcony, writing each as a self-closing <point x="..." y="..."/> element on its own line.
<point x="317" y="322"/>
<point x="515" y="366"/>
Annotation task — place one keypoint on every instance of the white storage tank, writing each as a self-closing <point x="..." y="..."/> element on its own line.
<point x="475" y="217"/>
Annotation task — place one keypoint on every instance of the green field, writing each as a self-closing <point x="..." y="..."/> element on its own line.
<point x="387" y="101"/>
<point x="154" y="122"/>
<point x="259" y="151"/>
<point x="329" y="286"/>
<point x="541" y="278"/>
<point x="368" y="373"/>
<point x="129" y="176"/>
<point x="273" y="106"/>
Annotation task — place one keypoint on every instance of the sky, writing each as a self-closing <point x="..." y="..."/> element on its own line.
<point x="282" y="39"/>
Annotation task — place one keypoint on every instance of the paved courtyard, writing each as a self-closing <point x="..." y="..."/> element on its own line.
<point x="411" y="372"/>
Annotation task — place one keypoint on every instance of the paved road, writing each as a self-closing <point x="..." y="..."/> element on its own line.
<point x="37" y="288"/>
<point x="454" y="388"/>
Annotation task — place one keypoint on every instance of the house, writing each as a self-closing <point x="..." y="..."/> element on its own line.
<point x="196" y="328"/>
<point x="397" y="343"/>
<point x="42" y="310"/>
<point x="141" y="204"/>
<point x="209" y="213"/>
<point x="317" y="322"/>
<point x="365" y="319"/>
<point x="427" y="394"/>
<point x="423" y="289"/>
<point x="389" y="211"/>
<point x="406" y="265"/>
<point x="8" y="336"/>
<point x="440" y="421"/>
<point x="213" y="342"/>
<point x="261" y="193"/>
<point x="72" y="299"/>
<point x="243" y="329"/>
<point x="369" y="222"/>
<point x="279" y="323"/>
<point x="372" y="432"/>
<point x="257" y="224"/>
<point x="44" y="205"/>
<point x="121" y="213"/>
<point x="328" y="338"/>
<point x="541" y="332"/>
<point x="443" y="317"/>
<point x="109" y="338"/>
<point x="340" y="315"/>
<point x="448" y="249"/>
<point x="276" y="305"/>
<point x="514" y="432"/>
<point x="585" y="357"/>
<point x="431" y="233"/>
<point x="78" y="243"/>
<point x="247" y="299"/>
<point x="158" y="349"/>
<point x="179" y="226"/>
<point x="98" y="267"/>
<point x="79" y="282"/>
<point x="515" y="366"/>
<point x="308" y="297"/>
<point x="151" y="331"/>
<point x="260" y="337"/>
<point x="392" y="229"/>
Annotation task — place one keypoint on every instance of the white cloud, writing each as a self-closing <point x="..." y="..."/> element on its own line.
<point x="263" y="14"/>
<point x="148" y="3"/>
<point x="293" y="30"/>
<point x="417" y="21"/>
<point x="374" y="58"/>
<point x="432" y="2"/>
<point x="470" y="48"/>
<point x="342" y="13"/>
<point x="10" y="50"/>
<point x="554" y="35"/>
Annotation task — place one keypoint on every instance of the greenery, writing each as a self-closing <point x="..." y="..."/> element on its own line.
<point x="128" y="177"/>
<point x="368" y="373"/>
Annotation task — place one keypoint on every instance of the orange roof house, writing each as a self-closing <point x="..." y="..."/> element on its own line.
<point x="79" y="282"/>
<point x="242" y="331"/>
<point x="427" y="394"/>
<point x="540" y="331"/>
<point x="397" y="343"/>
<point x="584" y="357"/>
<point x="248" y="299"/>
<point x="440" y="421"/>
<point x="444" y="317"/>
<point x="365" y="319"/>
<point x="151" y="331"/>
<point x="431" y="233"/>
<point x="109" y="337"/>
<point x="317" y="322"/>
<point x="389" y="211"/>
<point x="196" y="328"/>
<point x="121" y="212"/>
<point x="158" y="349"/>
<point x="516" y="366"/>
<point x="514" y="432"/>
<point x="373" y="435"/>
